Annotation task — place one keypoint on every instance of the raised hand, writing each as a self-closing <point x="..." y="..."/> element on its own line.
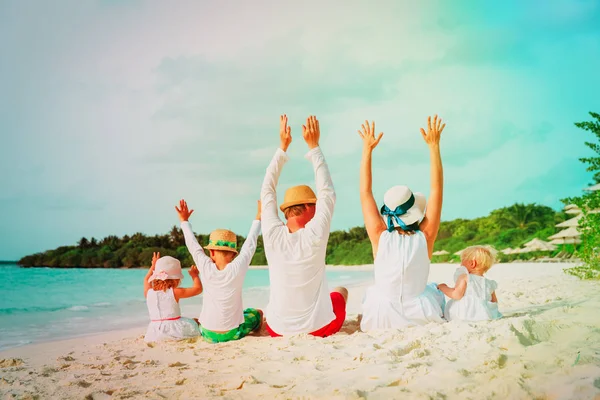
<point x="434" y="131"/>
<point x="258" y="212"/>
<point x="285" y="133"/>
<point x="193" y="271"/>
<point x="311" y="132"/>
<point x="183" y="211"/>
<point x="155" y="257"/>
<point x="368" y="135"/>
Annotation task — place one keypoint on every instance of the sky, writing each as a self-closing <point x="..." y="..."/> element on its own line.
<point x="111" y="111"/>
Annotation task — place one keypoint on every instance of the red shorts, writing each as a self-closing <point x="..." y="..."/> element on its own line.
<point x="339" y="309"/>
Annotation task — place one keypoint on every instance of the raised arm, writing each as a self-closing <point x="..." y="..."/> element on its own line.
<point x="373" y="222"/>
<point x="268" y="191"/>
<point x="431" y="223"/>
<point x="155" y="257"/>
<point x="242" y="261"/>
<point x="320" y="224"/>
<point x="197" y="252"/>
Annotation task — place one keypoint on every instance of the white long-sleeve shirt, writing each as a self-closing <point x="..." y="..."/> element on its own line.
<point x="222" y="308"/>
<point x="299" y="299"/>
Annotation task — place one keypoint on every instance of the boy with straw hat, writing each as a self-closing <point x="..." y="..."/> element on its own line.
<point x="300" y="301"/>
<point x="223" y="317"/>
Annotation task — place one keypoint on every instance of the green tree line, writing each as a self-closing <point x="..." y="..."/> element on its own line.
<point x="505" y="227"/>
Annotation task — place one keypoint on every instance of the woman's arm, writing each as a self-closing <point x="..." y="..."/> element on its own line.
<point x="195" y="290"/>
<point x="373" y="222"/>
<point x="431" y="223"/>
<point x="155" y="257"/>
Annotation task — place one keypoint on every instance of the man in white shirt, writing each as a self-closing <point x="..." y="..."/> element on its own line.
<point x="300" y="301"/>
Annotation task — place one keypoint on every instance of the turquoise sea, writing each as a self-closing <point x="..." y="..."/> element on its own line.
<point x="42" y="304"/>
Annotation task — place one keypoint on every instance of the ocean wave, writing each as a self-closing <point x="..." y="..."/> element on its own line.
<point x="103" y="304"/>
<point x="78" y="308"/>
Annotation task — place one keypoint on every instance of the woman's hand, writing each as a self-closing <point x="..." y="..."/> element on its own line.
<point x="434" y="131"/>
<point x="368" y="136"/>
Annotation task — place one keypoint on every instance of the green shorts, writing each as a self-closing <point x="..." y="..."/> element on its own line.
<point x="252" y="321"/>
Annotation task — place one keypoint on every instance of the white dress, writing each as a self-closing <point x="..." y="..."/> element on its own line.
<point x="476" y="304"/>
<point x="401" y="296"/>
<point x="166" y="322"/>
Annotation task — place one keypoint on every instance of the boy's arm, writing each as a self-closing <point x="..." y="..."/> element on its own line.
<point x="155" y="257"/>
<point x="242" y="261"/>
<point x="195" y="290"/>
<point x="197" y="252"/>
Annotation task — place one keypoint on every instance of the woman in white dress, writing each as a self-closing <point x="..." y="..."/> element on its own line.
<point x="473" y="297"/>
<point x="402" y="242"/>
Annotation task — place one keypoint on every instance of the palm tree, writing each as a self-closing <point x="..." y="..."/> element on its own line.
<point x="519" y="216"/>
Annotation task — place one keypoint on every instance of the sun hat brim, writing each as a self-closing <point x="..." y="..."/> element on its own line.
<point x="154" y="277"/>
<point x="415" y="213"/>
<point x="223" y="248"/>
<point x="297" y="203"/>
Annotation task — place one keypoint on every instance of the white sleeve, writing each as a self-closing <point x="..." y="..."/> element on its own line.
<point x="197" y="252"/>
<point x="242" y="261"/>
<point x="320" y="225"/>
<point x="460" y="271"/>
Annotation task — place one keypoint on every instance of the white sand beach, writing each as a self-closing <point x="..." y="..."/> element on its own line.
<point x="546" y="347"/>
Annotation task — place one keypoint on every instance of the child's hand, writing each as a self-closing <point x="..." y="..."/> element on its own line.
<point x="155" y="257"/>
<point x="441" y="285"/>
<point x="258" y="212"/>
<point x="193" y="271"/>
<point x="183" y="211"/>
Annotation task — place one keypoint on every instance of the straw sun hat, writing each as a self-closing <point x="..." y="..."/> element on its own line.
<point x="222" y="239"/>
<point x="400" y="202"/>
<point x="296" y="195"/>
<point x="166" y="267"/>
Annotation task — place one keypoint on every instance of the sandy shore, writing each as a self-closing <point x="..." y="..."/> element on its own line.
<point x="546" y="347"/>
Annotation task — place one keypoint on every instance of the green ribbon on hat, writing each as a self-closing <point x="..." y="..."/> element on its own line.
<point x="223" y="243"/>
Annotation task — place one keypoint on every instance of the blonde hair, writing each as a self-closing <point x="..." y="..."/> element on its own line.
<point x="294" y="211"/>
<point x="485" y="256"/>
<point x="159" y="285"/>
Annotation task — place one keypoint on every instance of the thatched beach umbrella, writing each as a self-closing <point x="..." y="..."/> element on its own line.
<point x="458" y="253"/>
<point x="593" y="188"/>
<point x="572" y="209"/>
<point x="566" y="236"/>
<point x="539" y="245"/>
<point x="570" y="223"/>
<point x="507" y="251"/>
<point x="440" y="253"/>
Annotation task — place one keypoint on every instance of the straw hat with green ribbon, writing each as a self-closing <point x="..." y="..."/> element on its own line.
<point x="297" y="195"/>
<point x="222" y="239"/>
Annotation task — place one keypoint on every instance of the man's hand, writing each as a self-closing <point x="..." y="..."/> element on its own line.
<point x="155" y="257"/>
<point x="311" y="132"/>
<point x="368" y="136"/>
<point x="184" y="213"/>
<point x="285" y="133"/>
<point x="258" y="212"/>
<point x="434" y="131"/>
<point x="193" y="271"/>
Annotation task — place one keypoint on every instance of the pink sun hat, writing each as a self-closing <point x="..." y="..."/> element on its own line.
<point x="167" y="267"/>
